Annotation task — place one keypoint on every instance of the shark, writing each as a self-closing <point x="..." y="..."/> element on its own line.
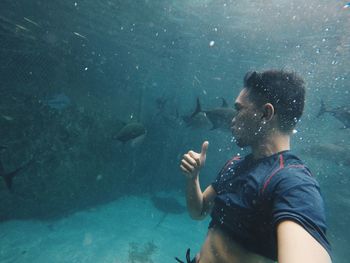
<point x="130" y="131"/>
<point x="335" y="152"/>
<point x="341" y="113"/>
<point x="220" y="117"/>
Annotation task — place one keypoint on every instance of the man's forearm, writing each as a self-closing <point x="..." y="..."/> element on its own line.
<point x="194" y="198"/>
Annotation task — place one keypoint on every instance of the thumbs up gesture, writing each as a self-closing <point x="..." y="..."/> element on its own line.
<point x="192" y="162"/>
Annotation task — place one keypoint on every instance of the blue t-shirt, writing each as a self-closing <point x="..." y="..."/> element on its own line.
<point x="253" y="196"/>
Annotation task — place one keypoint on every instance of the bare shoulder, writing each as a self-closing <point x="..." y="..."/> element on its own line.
<point x="295" y="244"/>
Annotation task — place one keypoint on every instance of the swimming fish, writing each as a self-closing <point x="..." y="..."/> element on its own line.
<point x="58" y="102"/>
<point x="335" y="152"/>
<point x="130" y="131"/>
<point x="160" y="103"/>
<point x="167" y="205"/>
<point x="341" y="113"/>
<point x="8" y="176"/>
<point x="220" y="117"/>
<point x="198" y="121"/>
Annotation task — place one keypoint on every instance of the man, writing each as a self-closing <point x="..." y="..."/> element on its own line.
<point x="266" y="206"/>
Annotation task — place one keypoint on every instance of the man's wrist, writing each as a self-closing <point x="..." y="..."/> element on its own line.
<point x="193" y="179"/>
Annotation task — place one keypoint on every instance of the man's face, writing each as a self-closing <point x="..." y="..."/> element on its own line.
<point x="246" y="125"/>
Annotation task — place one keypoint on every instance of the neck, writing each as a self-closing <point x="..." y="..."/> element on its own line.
<point x="271" y="144"/>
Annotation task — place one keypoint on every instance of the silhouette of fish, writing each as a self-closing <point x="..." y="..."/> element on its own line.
<point x="197" y="119"/>
<point x="341" y="113"/>
<point x="220" y="117"/>
<point x="8" y="176"/>
<point x="160" y="103"/>
<point x="58" y="102"/>
<point x="338" y="153"/>
<point x="167" y="205"/>
<point x="130" y="131"/>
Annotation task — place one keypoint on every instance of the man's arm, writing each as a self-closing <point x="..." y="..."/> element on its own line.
<point x="198" y="204"/>
<point x="296" y="245"/>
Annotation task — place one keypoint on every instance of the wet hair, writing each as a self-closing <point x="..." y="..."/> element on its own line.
<point x="284" y="90"/>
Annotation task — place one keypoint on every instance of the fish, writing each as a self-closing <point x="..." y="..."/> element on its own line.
<point x="167" y="205"/>
<point x="8" y="176"/>
<point x="340" y="113"/>
<point x="58" y="102"/>
<point x="220" y="117"/>
<point x="335" y="152"/>
<point x="171" y="120"/>
<point x="198" y="121"/>
<point x="160" y="103"/>
<point x="130" y="132"/>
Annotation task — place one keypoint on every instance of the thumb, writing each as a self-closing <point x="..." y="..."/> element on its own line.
<point x="204" y="148"/>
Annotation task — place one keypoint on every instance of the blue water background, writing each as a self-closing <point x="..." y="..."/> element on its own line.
<point x="114" y="59"/>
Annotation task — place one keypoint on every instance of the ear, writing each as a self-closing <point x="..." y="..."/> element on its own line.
<point x="268" y="112"/>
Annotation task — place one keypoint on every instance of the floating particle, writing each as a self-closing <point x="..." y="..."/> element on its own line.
<point x="86" y="68"/>
<point x="79" y="35"/>
<point x="99" y="177"/>
<point x="31" y="21"/>
<point x="211" y="43"/>
<point x="6" y="117"/>
<point x="346" y="6"/>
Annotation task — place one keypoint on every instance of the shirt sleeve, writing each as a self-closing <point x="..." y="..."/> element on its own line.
<point x="216" y="184"/>
<point x="296" y="196"/>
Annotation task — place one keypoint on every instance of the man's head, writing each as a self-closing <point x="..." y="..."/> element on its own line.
<point x="272" y="100"/>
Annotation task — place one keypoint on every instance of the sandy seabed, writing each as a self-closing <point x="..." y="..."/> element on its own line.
<point x="124" y="231"/>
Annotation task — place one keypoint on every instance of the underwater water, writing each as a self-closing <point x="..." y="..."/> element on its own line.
<point x="94" y="104"/>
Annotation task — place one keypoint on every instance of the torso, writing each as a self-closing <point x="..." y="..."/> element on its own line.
<point x="242" y="215"/>
<point x="220" y="248"/>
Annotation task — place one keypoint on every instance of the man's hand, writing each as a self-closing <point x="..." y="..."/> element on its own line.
<point x="192" y="162"/>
